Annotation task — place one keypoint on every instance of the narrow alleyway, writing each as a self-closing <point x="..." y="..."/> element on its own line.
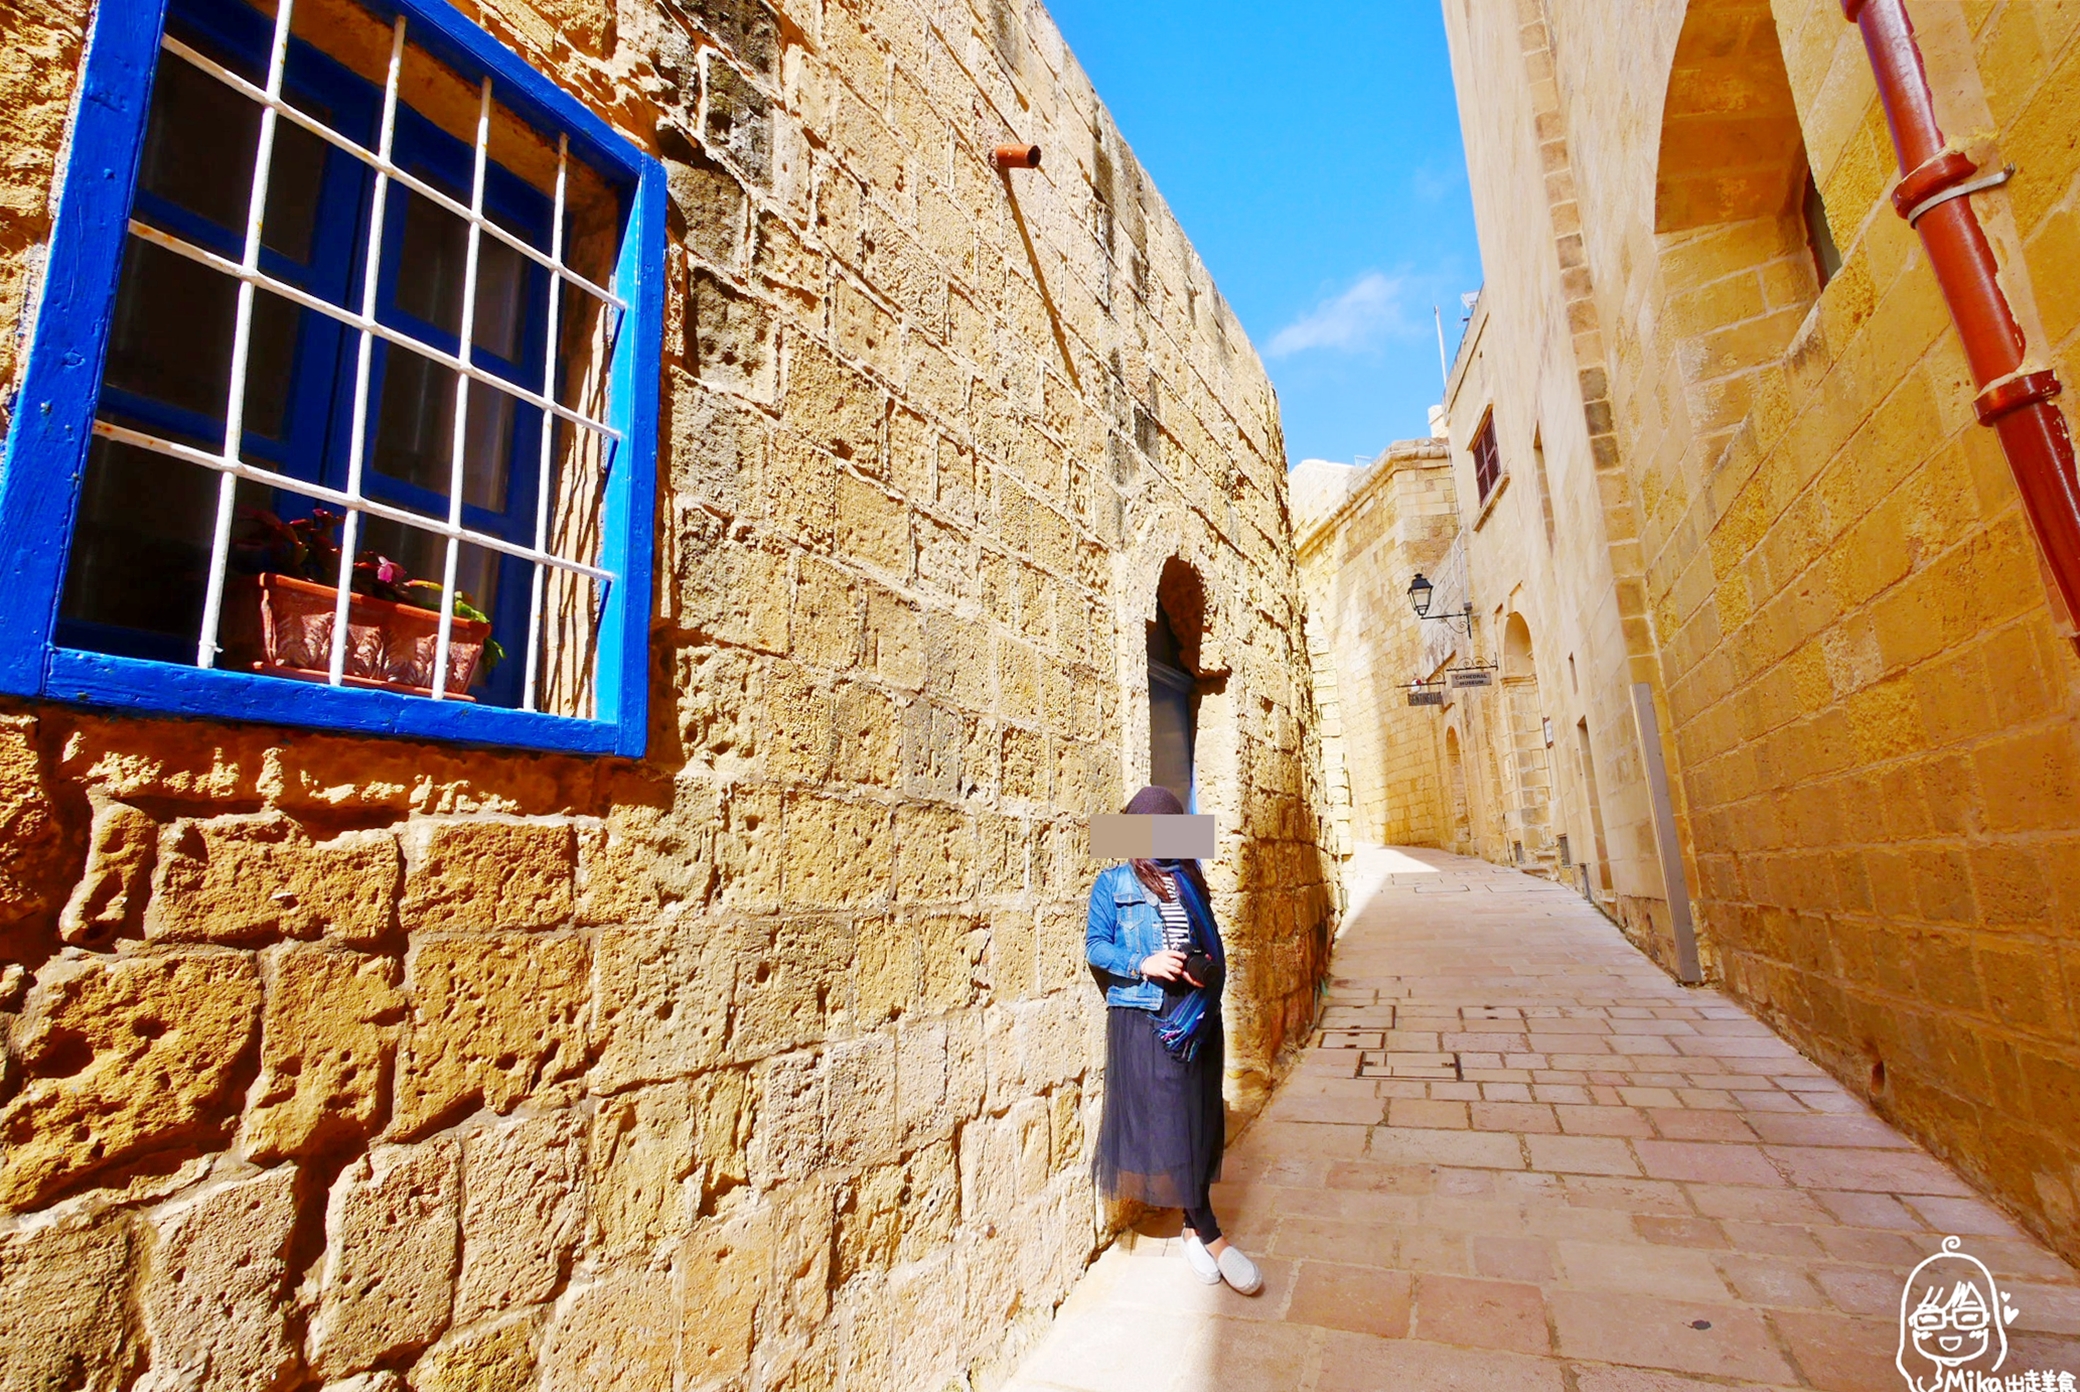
<point x="1520" y="1156"/>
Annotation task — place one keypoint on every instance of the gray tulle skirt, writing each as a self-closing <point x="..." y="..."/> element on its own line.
<point x="1160" y="1140"/>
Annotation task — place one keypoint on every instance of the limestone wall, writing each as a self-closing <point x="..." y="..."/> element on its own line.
<point x="770" y="1060"/>
<point x="1871" y="706"/>
<point x="1356" y="561"/>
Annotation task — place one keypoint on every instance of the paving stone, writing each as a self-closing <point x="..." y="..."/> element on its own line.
<point x="1571" y="1207"/>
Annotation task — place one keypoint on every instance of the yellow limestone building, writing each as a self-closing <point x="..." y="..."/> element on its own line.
<point x="694" y="997"/>
<point x="1717" y="462"/>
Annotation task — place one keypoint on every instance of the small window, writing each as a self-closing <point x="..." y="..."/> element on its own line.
<point x="369" y="431"/>
<point x="1827" y="258"/>
<point x="1487" y="459"/>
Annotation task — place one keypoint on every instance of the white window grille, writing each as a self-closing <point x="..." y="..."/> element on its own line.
<point x="563" y="579"/>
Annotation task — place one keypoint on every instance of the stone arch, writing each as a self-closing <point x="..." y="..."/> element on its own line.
<point x="1730" y="139"/>
<point x="1740" y="220"/>
<point x="1170" y="575"/>
<point x="1528" y="775"/>
<point x="1517" y="660"/>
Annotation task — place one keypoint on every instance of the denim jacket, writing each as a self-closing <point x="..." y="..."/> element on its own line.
<point x="1124" y="930"/>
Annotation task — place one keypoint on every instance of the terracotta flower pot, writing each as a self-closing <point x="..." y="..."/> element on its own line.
<point x="282" y="626"/>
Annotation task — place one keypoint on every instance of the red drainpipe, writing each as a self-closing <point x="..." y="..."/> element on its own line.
<point x="2015" y="402"/>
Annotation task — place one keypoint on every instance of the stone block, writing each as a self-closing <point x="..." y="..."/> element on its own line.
<point x="730" y="338"/>
<point x="480" y="876"/>
<point x="213" y="1302"/>
<point x="737" y="120"/>
<point x="494" y="1357"/>
<point x="717" y="445"/>
<point x="951" y="950"/>
<point x="838" y="854"/>
<point x="654" y="851"/>
<point x="328" y="1034"/>
<point x="664" y="997"/>
<point x="868" y="745"/>
<point x="247" y="879"/>
<point x="708" y="202"/>
<point x="523" y="1204"/>
<point x="722" y="1267"/>
<point x="790" y="983"/>
<point x="824" y="623"/>
<point x="828" y="404"/>
<point x="110" y="898"/>
<point x="642" y="1152"/>
<point x="120" y="1058"/>
<point x="873" y="526"/>
<point x="619" y="1334"/>
<point x="29" y="850"/>
<point x="859" y="1118"/>
<point x="935" y="855"/>
<point x="60" y="1328"/>
<point x="492" y="1019"/>
<point x="885" y="968"/>
<point x="787" y="1133"/>
<point x="390" y="1255"/>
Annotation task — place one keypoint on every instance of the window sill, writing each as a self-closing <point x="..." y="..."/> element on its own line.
<point x="98" y="679"/>
<point x="1480" y="518"/>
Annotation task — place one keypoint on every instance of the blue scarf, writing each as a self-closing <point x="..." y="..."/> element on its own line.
<point x="1179" y="1029"/>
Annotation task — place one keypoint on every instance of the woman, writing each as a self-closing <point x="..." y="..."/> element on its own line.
<point x="1152" y="937"/>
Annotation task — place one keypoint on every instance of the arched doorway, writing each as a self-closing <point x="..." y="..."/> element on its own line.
<point x="1174" y="638"/>
<point x="1527" y="770"/>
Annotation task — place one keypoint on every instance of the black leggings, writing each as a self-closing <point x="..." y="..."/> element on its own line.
<point x="1199" y="1218"/>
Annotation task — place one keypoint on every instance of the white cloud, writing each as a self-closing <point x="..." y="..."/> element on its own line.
<point x="1352" y="322"/>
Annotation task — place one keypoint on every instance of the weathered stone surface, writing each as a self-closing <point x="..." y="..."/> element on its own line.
<point x="247" y="879"/>
<point x="615" y="1335"/>
<point x="496" y="1357"/>
<point x="521" y="1213"/>
<point x="28" y="830"/>
<point x="664" y="1002"/>
<point x="214" y="1304"/>
<point x="122" y="1057"/>
<point x="479" y="876"/>
<point x="791" y="984"/>
<point x="390" y="1256"/>
<point x="722" y="1268"/>
<point x="110" y="898"/>
<point x="60" y="1328"/>
<point x="731" y="338"/>
<point x="328" y="1034"/>
<point x="738" y="120"/>
<point x="641" y="1154"/>
<point x="492" y="1018"/>
<point x="709" y="203"/>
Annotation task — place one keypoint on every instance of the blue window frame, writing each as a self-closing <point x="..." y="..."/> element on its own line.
<point x="97" y="574"/>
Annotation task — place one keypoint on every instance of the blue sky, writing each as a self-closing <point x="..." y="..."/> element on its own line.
<point x="1311" y="150"/>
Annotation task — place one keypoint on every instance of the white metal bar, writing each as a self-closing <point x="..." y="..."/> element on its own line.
<point x="350" y="525"/>
<point x="173" y="449"/>
<point x="381" y="163"/>
<point x="458" y="459"/>
<point x="541" y="493"/>
<point x="367" y="323"/>
<point x="241" y="347"/>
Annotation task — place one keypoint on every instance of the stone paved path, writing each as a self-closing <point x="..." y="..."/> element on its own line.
<point x="1520" y="1156"/>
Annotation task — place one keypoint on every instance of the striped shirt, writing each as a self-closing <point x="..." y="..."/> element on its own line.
<point x="1177" y="925"/>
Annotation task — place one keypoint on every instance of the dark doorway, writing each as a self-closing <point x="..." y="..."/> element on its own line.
<point x="1173" y="713"/>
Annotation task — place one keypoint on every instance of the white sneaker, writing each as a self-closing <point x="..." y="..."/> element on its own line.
<point x="1200" y="1260"/>
<point x="1240" y="1271"/>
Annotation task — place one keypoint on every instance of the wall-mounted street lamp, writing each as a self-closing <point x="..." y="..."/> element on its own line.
<point x="1419" y="592"/>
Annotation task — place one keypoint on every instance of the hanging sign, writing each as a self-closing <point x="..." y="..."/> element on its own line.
<point x="1462" y="677"/>
<point x="1419" y="696"/>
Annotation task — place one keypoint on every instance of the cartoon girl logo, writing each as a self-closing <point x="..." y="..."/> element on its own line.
<point x="1952" y="1323"/>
